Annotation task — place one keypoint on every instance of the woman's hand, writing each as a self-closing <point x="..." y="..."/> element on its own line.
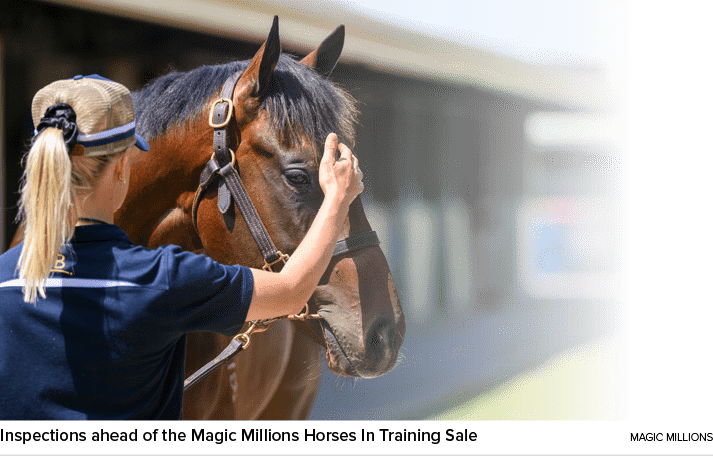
<point x="341" y="178"/>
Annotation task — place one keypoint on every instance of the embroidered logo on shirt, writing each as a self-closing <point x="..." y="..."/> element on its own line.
<point x="59" y="266"/>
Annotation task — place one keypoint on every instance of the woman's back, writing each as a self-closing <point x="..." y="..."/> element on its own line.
<point x="108" y="341"/>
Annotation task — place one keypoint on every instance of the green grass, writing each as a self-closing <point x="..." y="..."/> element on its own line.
<point x="575" y="385"/>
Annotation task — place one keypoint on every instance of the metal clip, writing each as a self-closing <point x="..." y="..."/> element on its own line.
<point x="255" y="327"/>
<point x="303" y="315"/>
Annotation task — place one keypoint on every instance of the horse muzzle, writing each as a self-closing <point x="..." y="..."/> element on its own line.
<point x="359" y="340"/>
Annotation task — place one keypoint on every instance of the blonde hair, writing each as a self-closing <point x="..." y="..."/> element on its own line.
<point x="48" y="204"/>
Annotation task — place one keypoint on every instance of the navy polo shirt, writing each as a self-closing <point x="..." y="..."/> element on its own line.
<point x="109" y="340"/>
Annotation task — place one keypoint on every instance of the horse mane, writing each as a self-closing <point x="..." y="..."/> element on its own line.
<point x="300" y="102"/>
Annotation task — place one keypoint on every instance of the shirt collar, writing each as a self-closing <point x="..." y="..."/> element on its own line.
<point x="99" y="232"/>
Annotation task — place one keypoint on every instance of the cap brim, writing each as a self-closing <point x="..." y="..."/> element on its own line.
<point x="141" y="143"/>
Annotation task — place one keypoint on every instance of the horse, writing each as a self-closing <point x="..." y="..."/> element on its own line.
<point x="282" y="110"/>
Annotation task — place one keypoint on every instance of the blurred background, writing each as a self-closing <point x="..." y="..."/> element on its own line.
<point x="490" y="143"/>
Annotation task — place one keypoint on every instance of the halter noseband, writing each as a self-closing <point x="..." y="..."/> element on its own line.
<point x="221" y="168"/>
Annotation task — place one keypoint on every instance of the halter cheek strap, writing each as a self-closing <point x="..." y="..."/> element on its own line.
<point x="231" y="187"/>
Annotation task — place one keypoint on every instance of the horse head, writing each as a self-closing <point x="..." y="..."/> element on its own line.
<point x="283" y="109"/>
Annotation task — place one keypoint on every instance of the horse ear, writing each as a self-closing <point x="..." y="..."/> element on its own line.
<point x="255" y="79"/>
<point x="325" y="57"/>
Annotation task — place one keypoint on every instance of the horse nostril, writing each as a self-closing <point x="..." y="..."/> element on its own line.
<point x="378" y="345"/>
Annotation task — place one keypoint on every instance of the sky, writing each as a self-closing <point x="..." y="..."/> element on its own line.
<point x="541" y="32"/>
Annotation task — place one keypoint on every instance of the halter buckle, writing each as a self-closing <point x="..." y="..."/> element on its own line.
<point x="283" y="258"/>
<point x="227" y="118"/>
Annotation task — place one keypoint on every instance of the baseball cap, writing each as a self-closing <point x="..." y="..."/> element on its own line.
<point x="104" y="110"/>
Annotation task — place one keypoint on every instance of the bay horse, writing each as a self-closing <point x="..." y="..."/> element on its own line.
<point x="283" y="110"/>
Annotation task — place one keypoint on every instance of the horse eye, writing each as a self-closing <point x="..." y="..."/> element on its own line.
<point x="297" y="177"/>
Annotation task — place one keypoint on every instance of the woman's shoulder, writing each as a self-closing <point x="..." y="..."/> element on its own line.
<point x="8" y="262"/>
<point x="174" y="264"/>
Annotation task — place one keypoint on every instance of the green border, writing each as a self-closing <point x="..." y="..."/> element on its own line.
<point x="669" y="366"/>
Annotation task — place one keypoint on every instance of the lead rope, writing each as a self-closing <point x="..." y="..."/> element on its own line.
<point x="242" y="341"/>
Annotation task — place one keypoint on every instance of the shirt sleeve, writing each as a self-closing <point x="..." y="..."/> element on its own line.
<point x="205" y="295"/>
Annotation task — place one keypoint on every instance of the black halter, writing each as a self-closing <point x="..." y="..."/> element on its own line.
<point x="221" y="168"/>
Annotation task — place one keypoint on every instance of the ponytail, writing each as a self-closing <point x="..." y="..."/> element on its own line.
<point x="48" y="205"/>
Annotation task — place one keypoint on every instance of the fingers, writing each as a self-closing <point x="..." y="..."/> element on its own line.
<point x="345" y="153"/>
<point x="359" y="175"/>
<point x="355" y="164"/>
<point x="330" y="148"/>
<point x="346" y="158"/>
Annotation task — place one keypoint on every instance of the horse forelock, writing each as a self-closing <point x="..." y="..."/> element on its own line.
<point x="300" y="103"/>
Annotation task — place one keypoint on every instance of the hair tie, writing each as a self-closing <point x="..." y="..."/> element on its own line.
<point x="61" y="116"/>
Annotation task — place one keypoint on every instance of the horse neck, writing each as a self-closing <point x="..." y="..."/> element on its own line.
<point x="163" y="180"/>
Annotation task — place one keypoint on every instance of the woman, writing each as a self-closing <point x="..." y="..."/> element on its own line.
<point x="92" y="326"/>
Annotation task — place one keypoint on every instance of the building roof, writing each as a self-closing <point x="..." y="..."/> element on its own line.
<point x="370" y="42"/>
